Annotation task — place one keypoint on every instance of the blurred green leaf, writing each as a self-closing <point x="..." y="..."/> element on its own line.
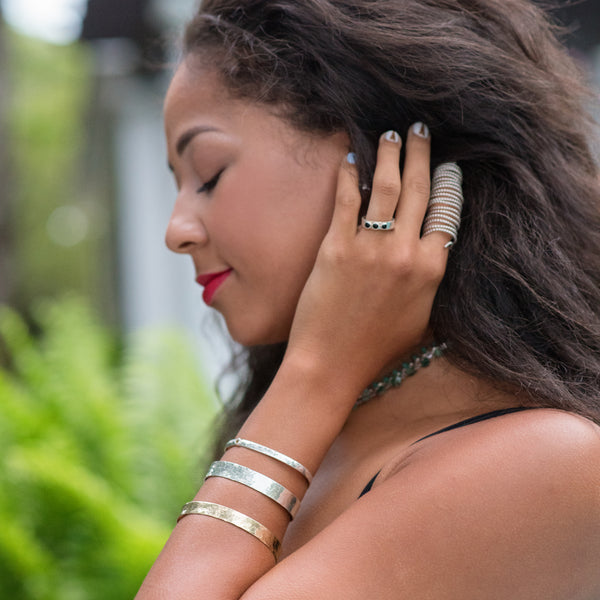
<point x="101" y="446"/>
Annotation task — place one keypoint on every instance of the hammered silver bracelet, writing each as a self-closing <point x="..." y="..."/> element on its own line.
<point x="266" y="451"/>
<point x="256" y="481"/>
<point x="229" y="515"/>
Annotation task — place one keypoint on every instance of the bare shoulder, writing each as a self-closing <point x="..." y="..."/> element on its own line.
<point x="548" y="438"/>
<point x="543" y="463"/>
<point x="505" y="508"/>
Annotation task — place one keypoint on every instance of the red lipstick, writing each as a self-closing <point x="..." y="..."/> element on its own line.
<point x="211" y="283"/>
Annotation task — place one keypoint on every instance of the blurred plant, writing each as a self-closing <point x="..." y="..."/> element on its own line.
<point x="101" y="446"/>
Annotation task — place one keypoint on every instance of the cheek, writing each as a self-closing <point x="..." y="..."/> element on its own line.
<point x="289" y="209"/>
<point x="273" y="239"/>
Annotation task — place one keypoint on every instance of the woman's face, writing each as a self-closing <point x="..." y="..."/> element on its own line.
<point x="255" y="198"/>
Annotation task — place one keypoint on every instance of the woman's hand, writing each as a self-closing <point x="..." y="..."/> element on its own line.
<point x="368" y="299"/>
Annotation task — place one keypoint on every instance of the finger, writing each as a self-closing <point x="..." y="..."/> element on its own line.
<point x="386" y="179"/>
<point x="416" y="178"/>
<point x="442" y="220"/>
<point x="347" y="199"/>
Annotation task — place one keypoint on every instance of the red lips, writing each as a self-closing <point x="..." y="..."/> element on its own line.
<point x="211" y="283"/>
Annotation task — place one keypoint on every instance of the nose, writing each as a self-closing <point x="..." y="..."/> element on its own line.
<point x="186" y="230"/>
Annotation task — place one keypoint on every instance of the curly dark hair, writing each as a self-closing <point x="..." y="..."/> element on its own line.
<point x="520" y="302"/>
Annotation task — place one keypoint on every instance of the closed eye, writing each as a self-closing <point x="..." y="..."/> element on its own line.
<point x="210" y="185"/>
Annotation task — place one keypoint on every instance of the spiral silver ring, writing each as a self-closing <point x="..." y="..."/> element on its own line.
<point x="445" y="203"/>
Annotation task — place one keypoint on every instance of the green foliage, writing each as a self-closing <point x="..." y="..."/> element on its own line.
<point x="101" y="446"/>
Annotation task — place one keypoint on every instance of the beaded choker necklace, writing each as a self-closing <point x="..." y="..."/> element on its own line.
<point x="397" y="376"/>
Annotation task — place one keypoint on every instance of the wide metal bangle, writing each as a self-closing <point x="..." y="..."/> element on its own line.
<point x="229" y="515"/>
<point x="258" y="482"/>
<point x="282" y="458"/>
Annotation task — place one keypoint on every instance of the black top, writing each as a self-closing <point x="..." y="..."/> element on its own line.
<point x="470" y="421"/>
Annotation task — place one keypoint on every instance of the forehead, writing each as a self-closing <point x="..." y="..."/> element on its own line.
<point x="197" y="98"/>
<point x="195" y="90"/>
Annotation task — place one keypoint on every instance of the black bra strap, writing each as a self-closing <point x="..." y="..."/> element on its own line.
<point x="477" y="419"/>
<point x="369" y="485"/>
<point x="470" y="421"/>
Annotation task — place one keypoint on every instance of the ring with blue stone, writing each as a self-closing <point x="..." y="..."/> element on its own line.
<point x="378" y="225"/>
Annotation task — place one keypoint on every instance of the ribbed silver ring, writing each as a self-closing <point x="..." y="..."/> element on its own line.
<point x="445" y="202"/>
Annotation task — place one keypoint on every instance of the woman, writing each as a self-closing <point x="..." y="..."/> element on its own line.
<point x="477" y="477"/>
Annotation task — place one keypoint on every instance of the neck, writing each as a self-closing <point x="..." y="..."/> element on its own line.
<point x="436" y="396"/>
<point x="396" y="377"/>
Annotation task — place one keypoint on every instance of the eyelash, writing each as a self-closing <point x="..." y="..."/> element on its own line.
<point x="210" y="185"/>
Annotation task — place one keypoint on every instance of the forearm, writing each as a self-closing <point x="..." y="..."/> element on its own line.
<point x="300" y="416"/>
<point x="305" y="408"/>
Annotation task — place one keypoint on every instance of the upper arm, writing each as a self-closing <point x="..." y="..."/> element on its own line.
<point x="506" y="510"/>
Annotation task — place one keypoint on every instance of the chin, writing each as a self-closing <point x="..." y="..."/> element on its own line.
<point x="253" y="334"/>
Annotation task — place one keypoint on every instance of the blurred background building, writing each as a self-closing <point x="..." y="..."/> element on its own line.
<point x="81" y="97"/>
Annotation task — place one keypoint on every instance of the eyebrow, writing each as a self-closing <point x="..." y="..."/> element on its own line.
<point x="187" y="136"/>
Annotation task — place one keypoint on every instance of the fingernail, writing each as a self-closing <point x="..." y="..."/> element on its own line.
<point x="351" y="158"/>
<point x="391" y="136"/>
<point x="421" y="130"/>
